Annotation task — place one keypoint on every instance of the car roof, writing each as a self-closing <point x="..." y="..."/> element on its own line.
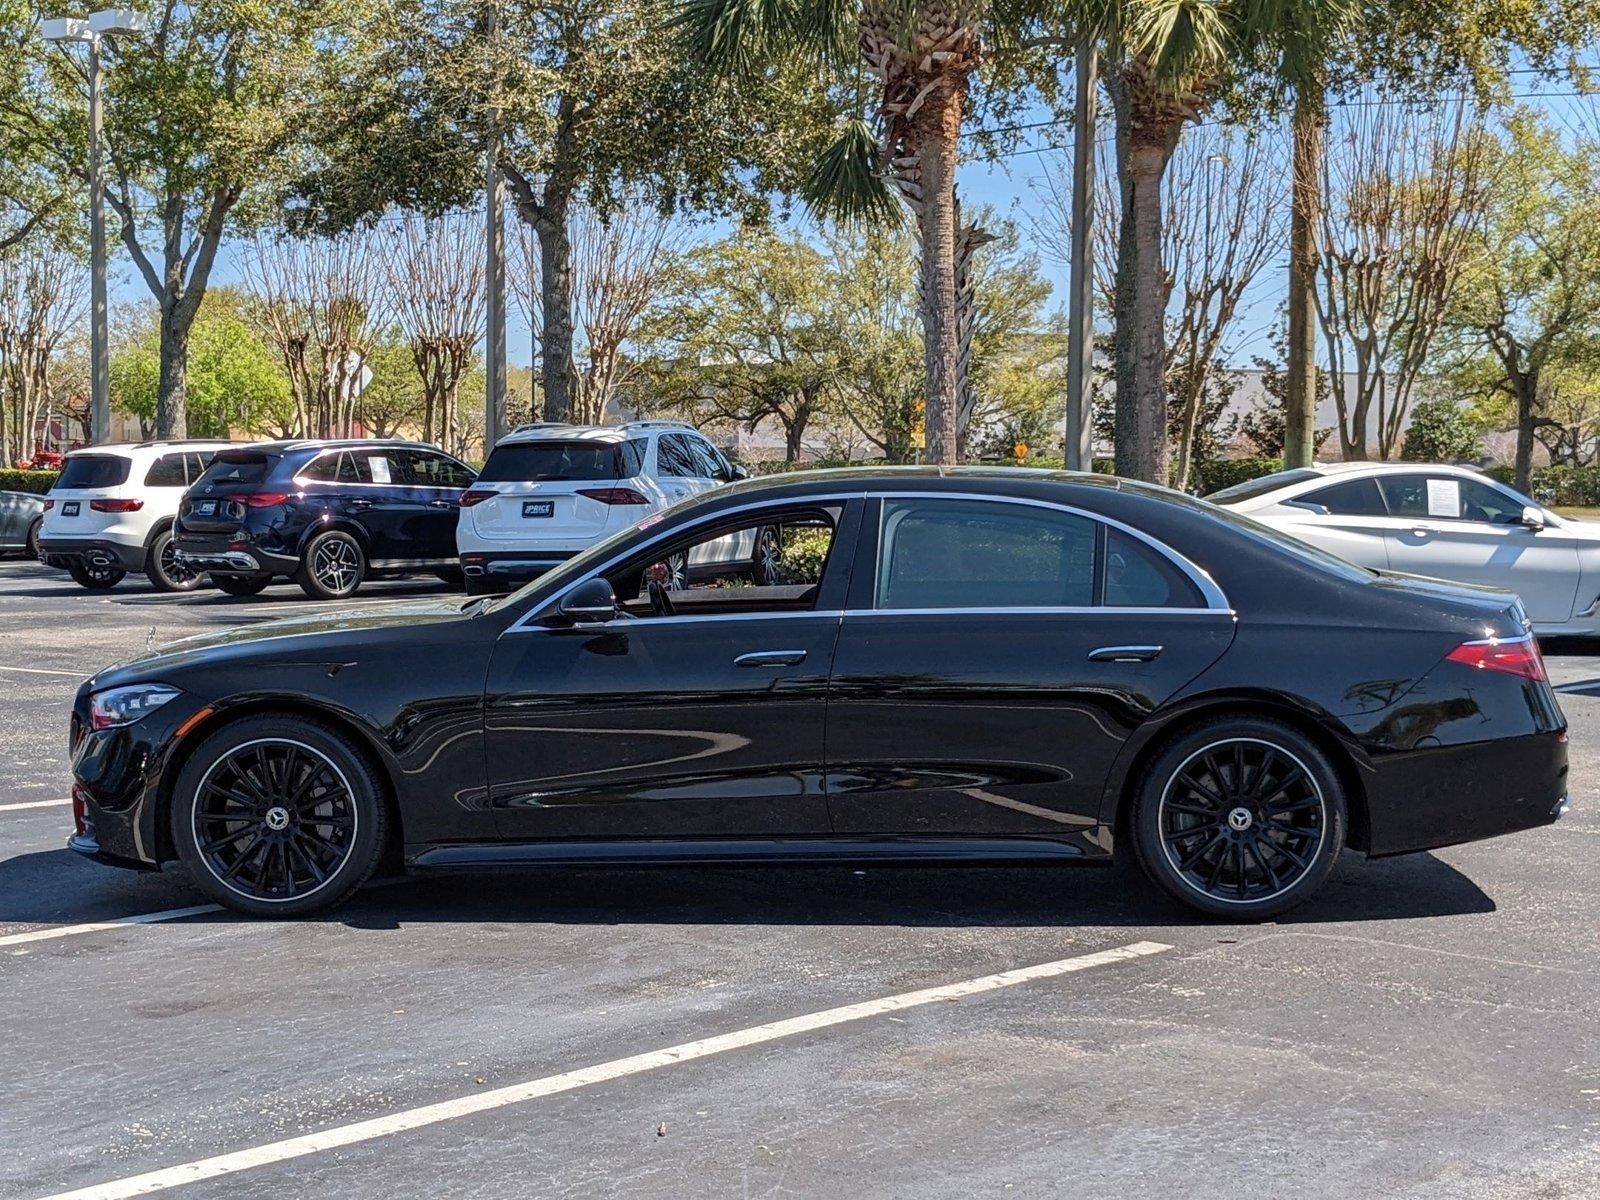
<point x="1393" y="468"/>
<point x="289" y="445"/>
<point x="561" y="431"/>
<point x="129" y="448"/>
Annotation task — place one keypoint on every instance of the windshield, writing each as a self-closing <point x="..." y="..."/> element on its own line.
<point x="530" y="462"/>
<point x="232" y="467"/>
<point x="1251" y="488"/>
<point x="93" y="471"/>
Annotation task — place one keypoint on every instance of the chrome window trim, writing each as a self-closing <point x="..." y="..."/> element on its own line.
<point x="1216" y="602"/>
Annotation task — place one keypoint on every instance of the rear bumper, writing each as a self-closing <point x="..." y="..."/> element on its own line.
<point x="99" y="552"/>
<point x="1436" y="796"/>
<point x="226" y="556"/>
<point x="512" y="566"/>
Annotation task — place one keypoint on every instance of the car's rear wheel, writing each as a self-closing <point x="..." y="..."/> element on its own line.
<point x="1240" y="817"/>
<point x="95" y="577"/>
<point x="764" y="561"/>
<point x="279" y="815"/>
<point x="163" y="569"/>
<point x="332" y="566"/>
<point x="241" y="585"/>
<point x="33" y="537"/>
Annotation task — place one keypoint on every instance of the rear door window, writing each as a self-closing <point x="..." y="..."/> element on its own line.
<point x="1352" y="498"/>
<point x="553" y="461"/>
<point x="1449" y="498"/>
<point x="93" y="471"/>
<point x="166" y="471"/>
<point x="1138" y="577"/>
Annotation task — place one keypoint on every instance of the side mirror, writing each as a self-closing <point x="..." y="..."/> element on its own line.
<point x="1532" y="518"/>
<point x="739" y="473"/>
<point x="591" y="601"/>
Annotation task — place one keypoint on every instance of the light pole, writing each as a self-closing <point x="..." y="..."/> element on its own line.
<point x="90" y="31"/>
<point x="1080" y="298"/>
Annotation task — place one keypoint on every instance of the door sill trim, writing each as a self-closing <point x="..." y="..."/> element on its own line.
<point x="714" y="851"/>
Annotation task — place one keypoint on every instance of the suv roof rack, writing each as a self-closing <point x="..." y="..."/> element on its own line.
<point x="527" y="425"/>
<point x="655" y="424"/>
<point x="180" y="442"/>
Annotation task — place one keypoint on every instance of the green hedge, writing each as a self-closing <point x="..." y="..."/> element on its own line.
<point x="37" y="482"/>
<point x="1225" y="472"/>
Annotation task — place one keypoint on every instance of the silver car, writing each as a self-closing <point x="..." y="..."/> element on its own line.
<point x="21" y="514"/>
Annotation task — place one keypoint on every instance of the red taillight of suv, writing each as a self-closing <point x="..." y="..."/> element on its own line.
<point x="468" y="499"/>
<point x="1514" y="656"/>
<point x="618" y="495"/>
<point x="265" y="499"/>
<point x="49" y="504"/>
<point x="116" y="506"/>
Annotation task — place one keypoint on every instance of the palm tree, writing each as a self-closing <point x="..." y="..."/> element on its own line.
<point x="920" y="56"/>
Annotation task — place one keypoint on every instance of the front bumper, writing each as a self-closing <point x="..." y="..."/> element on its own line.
<point x="63" y="553"/>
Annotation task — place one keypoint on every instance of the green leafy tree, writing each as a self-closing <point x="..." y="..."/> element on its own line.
<point x="585" y="102"/>
<point x="1528" y="304"/>
<point x="1442" y="430"/>
<point x="234" y="382"/>
<point x="204" y="111"/>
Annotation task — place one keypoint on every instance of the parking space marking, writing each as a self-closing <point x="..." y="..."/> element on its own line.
<point x="42" y="671"/>
<point x="550" y="1085"/>
<point x="61" y="931"/>
<point x="33" y="804"/>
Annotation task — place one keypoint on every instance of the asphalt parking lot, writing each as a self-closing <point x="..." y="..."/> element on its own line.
<point x="1426" y="1026"/>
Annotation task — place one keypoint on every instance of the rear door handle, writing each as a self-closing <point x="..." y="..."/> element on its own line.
<point x="441" y="504"/>
<point x="770" y="658"/>
<point x="1124" y="653"/>
<point x="361" y="504"/>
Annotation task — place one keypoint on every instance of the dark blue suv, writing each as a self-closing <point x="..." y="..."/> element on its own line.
<point x="328" y="514"/>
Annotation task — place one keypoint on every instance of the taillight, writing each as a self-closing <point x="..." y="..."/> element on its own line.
<point x="49" y="504"/>
<point x="265" y="499"/>
<point x="116" y="506"/>
<point x="1513" y="656"/>
<point x="619" y="495"/>
<point x="468" y="499"/>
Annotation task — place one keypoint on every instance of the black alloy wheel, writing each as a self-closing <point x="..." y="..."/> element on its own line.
<point x="278" y="815"/>
<point x="97" y="577"/>
<point x="165" y="572"/>
<point x="241" y="585"/>
<point x="1242" y="818"/>
<point x="332" y="566"/>
<point x="764" y="563"/>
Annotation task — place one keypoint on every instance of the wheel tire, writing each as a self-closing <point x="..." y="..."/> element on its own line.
<point x="479" y="587"/>
<point x="162" y="569"/>
<point x="1240" y="817"/>
<point x="764" y="561"/>
<point x="96" y="579"/>
<point x="332" y="566"/>
<point x="32" y="541"/>
<point x="251" y="844"/>
<point x="241" y="585"/>
<point x="677" y="572"/>
<point x="451" y="576"/>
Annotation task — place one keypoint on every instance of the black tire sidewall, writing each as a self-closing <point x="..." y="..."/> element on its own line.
<point x="240" y="585"/>
<point x="367" y="793"/>
<point x="307" y="579"/>
<point x="82" y="578"/>
<point x="30" y="541"/>
<point x="1146" y="833"/>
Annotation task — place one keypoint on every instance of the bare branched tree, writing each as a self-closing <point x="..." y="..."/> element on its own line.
<point x="43" y="290"/>
<point x="435" y="272"/>
<point x="1226" y="215"/>
<point x="618" y="266"/>
<point x="1403" y="192"/>
<point x="322" y="305"/>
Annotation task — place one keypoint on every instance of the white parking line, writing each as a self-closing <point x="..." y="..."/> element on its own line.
<point x="32" y="804"/>
<point x="61" y="931"/>
<point x="617" y="1068"/>
<point x="42" y="671"/>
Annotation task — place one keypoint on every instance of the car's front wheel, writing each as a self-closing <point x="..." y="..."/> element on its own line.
<point x="1240" y="817"/>
<point x="332" y="566"/>
<point x="765" y="562"/>
<point x="162" y="568"/>
<point x="278" y="815"/>
<point x="95" y="577"/>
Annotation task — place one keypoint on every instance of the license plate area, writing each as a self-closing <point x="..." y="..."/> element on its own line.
<point x="538" y="508"/>
<point x="69" y="508"/>
<point x="205" y="508"/>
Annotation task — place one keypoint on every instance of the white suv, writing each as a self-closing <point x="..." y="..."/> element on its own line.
<point x="551" y="490"/>
<point x="111" y="512"/>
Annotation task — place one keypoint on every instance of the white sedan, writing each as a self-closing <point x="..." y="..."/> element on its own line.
<point x="1446" y="522"/>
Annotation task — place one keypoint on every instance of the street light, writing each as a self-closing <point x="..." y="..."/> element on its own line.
<point x="62" y="30"/>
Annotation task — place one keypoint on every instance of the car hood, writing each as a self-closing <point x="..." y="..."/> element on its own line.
<point x="321" y="637"/>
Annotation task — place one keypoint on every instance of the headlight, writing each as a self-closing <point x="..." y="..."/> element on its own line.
<point x="125" y="705"/>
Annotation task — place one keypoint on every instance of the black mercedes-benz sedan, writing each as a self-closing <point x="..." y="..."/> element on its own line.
<point x="960" y="666"/>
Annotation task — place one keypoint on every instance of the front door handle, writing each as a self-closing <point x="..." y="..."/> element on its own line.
<point x="770" y="658"/>
<point x="361" y="504"/>
<point x="441" y="504"/>
<point x="1125" y="654"/>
